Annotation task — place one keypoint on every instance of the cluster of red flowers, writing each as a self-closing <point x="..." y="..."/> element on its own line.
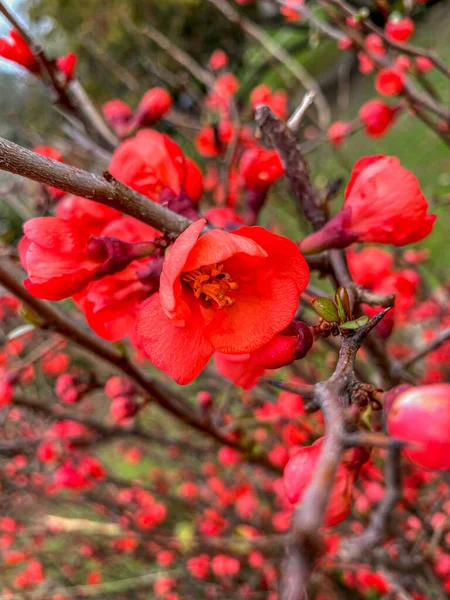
<point x="154" y="105"/>
<point x="228" y="289"/>
<point x="15" y="49"/>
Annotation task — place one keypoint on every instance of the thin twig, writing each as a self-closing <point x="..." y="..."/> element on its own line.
<point x="378" y="527"/>
<point x="440" y="339"/>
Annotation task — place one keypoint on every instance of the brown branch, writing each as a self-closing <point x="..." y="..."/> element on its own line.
<point x="379" y="524"/>
<point x="338" y="262"/>
<point x="440" y="339"/>
<point x="334" y="396"/>
<point x="159" y="393"/>
<point x="296" y="167"/>
<point x="18" y="160"/>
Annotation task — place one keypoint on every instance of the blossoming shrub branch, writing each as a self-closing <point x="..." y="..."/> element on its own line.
<point x="236" y="490"/>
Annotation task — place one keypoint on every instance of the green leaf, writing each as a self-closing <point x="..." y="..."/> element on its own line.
<point x="326" y="309"/>
<point x="343" y="304"/>
<point x="359" y="322"/>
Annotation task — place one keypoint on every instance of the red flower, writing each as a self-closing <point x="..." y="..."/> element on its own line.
<point x="154" y="105"/>
<point x="244" y="370"/>
<point x="90" y="216"/>
<point x="261" y="94"/>
<point x="241" y="369"/>
<point x="62" y="259"/>
<point x="277" y="101"/>
<point x="402" y="62"/>
<point x="212" y="141"/>
<point x="218" y="60"/>
<point x="260" y="168"/>
<point x="383" y="204"/>
<point x="424" y="64"/>
<point x="389" y="82"/>
<point x="224" y="217"/>
<point x="377" y="117"/>
<point x="152" y="162"/>
<point x="344" y="43"/>
<point x="6" y="391"/>
<point x="17" y="50"/>
<point x="289" y="11"/>
<point x="55" y="254"/>
<point x="111" y="303"/>
<point x="67" y="65"/>
<point x="374" y="44"/>
<point x="225" y="292"/>
<point x="421" y="416"/>
<point x="337" y="132"/>
<point x="226" y="85"/>
<point x="48" y="152"/>
<point x="68" y="477"/>
<point x="118" y="114"/>
<point x="400" y="30"/>
<point x="370" y="265"/>
<point x="225" y="566"/>
<point x="298" y="474"/>
<point x="365" y="63"/>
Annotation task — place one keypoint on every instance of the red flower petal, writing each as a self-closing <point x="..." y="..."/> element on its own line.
<point x="182" y="352"/>
<point x="174" y="262"/>
<point x="217" y="246"/>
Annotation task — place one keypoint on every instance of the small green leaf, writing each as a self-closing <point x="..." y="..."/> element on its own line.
<point x="359" y="322"/>
<point x="343" y="304"/>
<point x="326" y="309"/>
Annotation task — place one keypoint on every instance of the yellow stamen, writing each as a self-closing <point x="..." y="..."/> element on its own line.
<point x="211" y="284"/>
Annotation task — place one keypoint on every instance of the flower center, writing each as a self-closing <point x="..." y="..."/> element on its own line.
<point x="211" y="284"/>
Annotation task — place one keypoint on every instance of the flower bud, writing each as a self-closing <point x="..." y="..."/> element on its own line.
<point x="122" y="408"/>
<point x="298" y="474"/>
<point x="154" y="105"/>
<point x="421" y="416"/>
<point x="377" y="117"/>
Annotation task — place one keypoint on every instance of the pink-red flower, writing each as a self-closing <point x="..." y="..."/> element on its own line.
<point x="218" y="60"/>
<point x="337" y="133"/>
<point x="15" y="49"/>
<point x="56" y="256"/>
<point x="389" y="82"/>
<point x="111" y="303"/>
<point x="62" y="259"/>
<point x="225" y="292"/>
<point x="275" y="100"/>
<point x="152" y="162"/>
<point x="383" y="204"/>
<point x="260" y="168"/>
<point x="118" y="114"/>
<point x="86" y="214"/>
<point x="244" y="370"/>
<point x="213" y="140"/>
<point x="154" y="105"/>
<point x="421" y="417"/>
<point x="67" y="65"/>
<point x="400" y="30"/>
<point x="299" y="472"/>
<point x="377" y="117"/>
